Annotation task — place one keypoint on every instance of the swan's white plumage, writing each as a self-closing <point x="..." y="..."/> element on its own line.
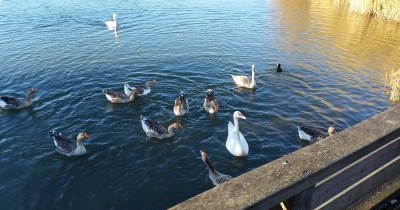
<point x="235" y="142"/>
<point x="112" y="24"/>
<point x="244" y="81"/>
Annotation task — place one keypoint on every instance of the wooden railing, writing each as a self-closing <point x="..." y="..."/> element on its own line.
<point x="330" y="174"/>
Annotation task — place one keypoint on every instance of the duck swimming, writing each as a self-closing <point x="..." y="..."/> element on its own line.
<point x="244" y="81"/>
<point x="312" y="134"/>
<point x="216" y="177"/>
<point x="210" y="102"/>
<point x="278" y="68"/>
<point x="181" y="105"/>
<point x="235" y="142"/>
<point x="112" y="24"/>
<point x="142" y="91"/>
<point x="9" y="102"/>
<point x="118" y="98"/>
<point x="67" y="147"/>
<point x="156" y="130"/>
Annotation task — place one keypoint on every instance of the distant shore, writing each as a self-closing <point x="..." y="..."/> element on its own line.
<point x="382" y="9"/>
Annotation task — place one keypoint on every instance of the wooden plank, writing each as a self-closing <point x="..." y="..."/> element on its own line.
<point x="344" y="178"/>
<point x="364" y="186"/>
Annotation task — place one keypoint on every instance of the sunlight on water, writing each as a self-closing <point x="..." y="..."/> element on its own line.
<point x="333" y="62"/>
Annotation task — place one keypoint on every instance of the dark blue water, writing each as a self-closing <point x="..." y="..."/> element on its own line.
<point x="334" y="68"/>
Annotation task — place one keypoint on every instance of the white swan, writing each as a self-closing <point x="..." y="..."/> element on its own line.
<point x="312" y="134"/>
<point x="181" y="105"/>
<point x="112" y="24"/>
<point x="119" y="98"/>
<point x="216" y="177"/>
<point x="142" y="91"/>
<point x="67" y="147"/>
<point x="244" y="81"/>
<point x="236" y="143"/>
<point x="9" y="102"/>
<point x="210" y="102"/>
<point x="156" y="130"/>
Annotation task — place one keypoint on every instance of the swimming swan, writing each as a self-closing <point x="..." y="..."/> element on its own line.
<point x="9" y="102"/>
<point x="235" y="142"/>
<point x="67" y="147"/>
<point x="112" y="24"/>
<point x="216" y="177"/>
<point x="243" y="81"/>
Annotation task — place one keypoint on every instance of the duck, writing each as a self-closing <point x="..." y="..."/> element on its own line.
<point x="216" y="177"/>
<point x="118" y="98"/>
<point x="210" y="102"/>
<point x="10" y="102"/>
<point x="235" y="142"/>
<point x="312" y="134"/>
<point x="156" y="130"/>
<point x="278" y="68"/>
<point x="112" y="24"/>
<point x="181" y="106"/>
<point x="142" y="91"/>
<point x="67" y="147"/>
<point x="244" y="81"/>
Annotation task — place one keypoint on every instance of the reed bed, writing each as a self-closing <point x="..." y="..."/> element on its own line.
<point x="384" y="9"/>
<point x="393" y="83"/>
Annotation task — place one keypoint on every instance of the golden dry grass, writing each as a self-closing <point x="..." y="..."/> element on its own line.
<point x="385" y="9"/>
<point x="393" y="82"/>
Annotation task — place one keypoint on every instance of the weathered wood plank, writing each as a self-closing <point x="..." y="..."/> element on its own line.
<point x="344" y="178"/>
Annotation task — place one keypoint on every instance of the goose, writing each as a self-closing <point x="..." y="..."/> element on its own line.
<point x="142" y="91"/>
<point x="244" y="81"/>
<point x="210" y="102"/>
<point x="67" y="147"/>
<point x="118" y="98"/>
<point x="312" y="134"/>
<point x="112" y="24"/>
<point x="181" y="106"/>
<point x="235" y="142"/>
<point x="278" y="68"/>
<point x="156" y="130"/>
<point x="216" y="177"/>
<point x="9" y="102"/>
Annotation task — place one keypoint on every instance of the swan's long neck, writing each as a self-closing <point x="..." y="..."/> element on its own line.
<point x="236" y="123"/>
<point x="253" y="77"/>
<point x="147" y="85"/>
<point x="79" y="142"/>
<point x="115" y="19"/>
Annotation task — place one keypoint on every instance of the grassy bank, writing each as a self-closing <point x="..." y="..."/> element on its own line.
<point x="384" y="9"/>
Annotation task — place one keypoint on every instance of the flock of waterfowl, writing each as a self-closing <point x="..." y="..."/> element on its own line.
<point x="236" y="143"/>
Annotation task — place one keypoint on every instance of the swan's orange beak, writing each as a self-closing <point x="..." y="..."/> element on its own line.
<point x="87" y="135"/>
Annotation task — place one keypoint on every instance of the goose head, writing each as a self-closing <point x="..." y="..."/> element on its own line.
<point x="182" y="96"/>
<point x="177" y="126"/>
<point x="332" y="130"/>
<point x="82" y="136"/>
<point x="238" y="114"/>
<point x="114" y="16"/>
<point x="210" y="95"/>
<point x="31" y="90"/>
<point x="203" y="155"/>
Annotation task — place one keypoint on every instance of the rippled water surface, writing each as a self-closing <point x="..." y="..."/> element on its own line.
<point x="334" y="68"/>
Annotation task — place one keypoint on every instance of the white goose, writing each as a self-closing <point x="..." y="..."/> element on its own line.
<point x="235" y="142"/>
<point x="118" y="98"/>
<point x="181" y="105"/>
<point x="244" y="81"/>
<point x="216" y="177"/>
<point x="9" y="102"/>
<point x="67" y="147"/>
<point x="210" y="102"/>
<point x="142" y="91"/>
<point x="312" y="134"/>
<point x="156" y="130"/>
<point x="112" y="24"/>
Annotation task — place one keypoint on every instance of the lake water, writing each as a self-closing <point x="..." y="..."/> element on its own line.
<point x="334" y="70"/>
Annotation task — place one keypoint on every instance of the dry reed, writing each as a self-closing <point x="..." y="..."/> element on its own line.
<point x="385" y="9"/>
<point x="393" y="82"/>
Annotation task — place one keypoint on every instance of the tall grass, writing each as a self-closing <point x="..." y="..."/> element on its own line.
<point x="393" y="82"/>
<point x="385" y="9"/>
